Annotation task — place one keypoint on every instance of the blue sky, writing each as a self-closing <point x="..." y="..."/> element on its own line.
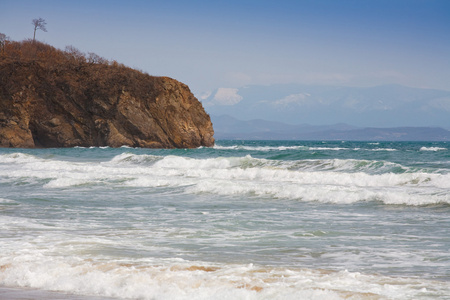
<point x="212" y="44"/>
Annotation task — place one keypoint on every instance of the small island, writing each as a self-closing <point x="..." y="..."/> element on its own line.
<point x="55" y="98"/>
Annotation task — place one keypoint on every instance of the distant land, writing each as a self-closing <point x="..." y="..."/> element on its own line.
<point x="385" y="106"/>
<point x="229" y="128"/>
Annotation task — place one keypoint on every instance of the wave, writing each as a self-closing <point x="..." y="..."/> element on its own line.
<point x="299" y="148"/>
<point x="18" y="158"/>
<point x="247" y="161"/>
<point x="433" y="149"/>
<point x="325" y="180"/>
<point x="260" y="148"/>
<point x="181" y="279"/>
<point x="135" y="159"/>
<point x="4" y="201"/>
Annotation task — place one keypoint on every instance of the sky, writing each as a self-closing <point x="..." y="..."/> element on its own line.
<point x="234" y="43"/>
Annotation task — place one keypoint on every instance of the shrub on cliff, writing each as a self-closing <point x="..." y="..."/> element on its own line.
<point x="55" y="98"/>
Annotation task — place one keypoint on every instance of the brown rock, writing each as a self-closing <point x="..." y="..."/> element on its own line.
<point x="56" y="102"/>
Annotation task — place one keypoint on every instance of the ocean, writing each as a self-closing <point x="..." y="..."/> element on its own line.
<point x="240" y="220"/>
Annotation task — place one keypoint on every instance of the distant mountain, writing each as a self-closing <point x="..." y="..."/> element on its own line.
<point x="227" y="127"/>
<point x="380" y="106"/>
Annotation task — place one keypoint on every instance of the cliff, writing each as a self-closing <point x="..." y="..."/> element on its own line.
<point x="55" y="98"/>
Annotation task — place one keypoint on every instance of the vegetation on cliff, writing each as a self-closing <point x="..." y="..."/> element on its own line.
<point x="55" y="98"/>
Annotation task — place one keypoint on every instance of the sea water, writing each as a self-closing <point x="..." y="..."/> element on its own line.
<point x="240" y="220"/>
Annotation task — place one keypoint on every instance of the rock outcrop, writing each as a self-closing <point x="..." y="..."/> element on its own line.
<point x="54" y="98"/>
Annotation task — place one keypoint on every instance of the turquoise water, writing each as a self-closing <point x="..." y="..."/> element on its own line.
<point x="241" y="220"/>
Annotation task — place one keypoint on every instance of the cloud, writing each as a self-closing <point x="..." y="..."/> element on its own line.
<point x="204" y="95"/>
<point x="298" y="99"/>
<point x="227" y="96"/>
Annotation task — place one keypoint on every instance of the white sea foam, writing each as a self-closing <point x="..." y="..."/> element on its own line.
<point x="3" y="200"/>
<point x="312" y="181"/>
<point x="381" y="149"/>
<point x="72" y="181"/>
<point x="280" y="148"/>
<point x="433" y="149"/>
<point x="329" y="180"/>
<point x="133" y="158"/>
<point x="298" y="147"/>
<point x="18" y="158"/>
<point x="180" y="279"/>
<point x="260" y="148"/>
<point x="143" y="226"/>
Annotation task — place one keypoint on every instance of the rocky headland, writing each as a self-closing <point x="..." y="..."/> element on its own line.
<point x="55" y="98"/>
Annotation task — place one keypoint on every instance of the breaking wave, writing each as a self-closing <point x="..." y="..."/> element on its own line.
<point x="340" y="181"/>
<point x="179" y="279"/>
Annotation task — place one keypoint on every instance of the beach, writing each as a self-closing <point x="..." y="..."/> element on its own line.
<point x="240" y="220"/>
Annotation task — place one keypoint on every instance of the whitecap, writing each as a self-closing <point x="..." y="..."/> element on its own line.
<point x="433" y="149"/>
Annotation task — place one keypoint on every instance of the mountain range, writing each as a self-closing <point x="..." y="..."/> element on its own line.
<point x="383" y="106"/>
<point x="295" y="111"/>
<point x="227" y="127"/>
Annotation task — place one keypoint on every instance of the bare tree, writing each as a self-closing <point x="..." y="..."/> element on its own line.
<point x="93" y="58"/>
<point x="38" y="24"/>
<point x="75" y="54"/>
<point x="3" y="40"/>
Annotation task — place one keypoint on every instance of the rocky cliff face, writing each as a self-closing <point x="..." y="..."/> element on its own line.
<point x="61" y="99"/>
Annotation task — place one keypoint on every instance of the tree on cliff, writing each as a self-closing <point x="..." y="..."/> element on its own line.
<point x="3" y="40"/>
<point x="38" y="24"/>
<point x="55" y="98"/>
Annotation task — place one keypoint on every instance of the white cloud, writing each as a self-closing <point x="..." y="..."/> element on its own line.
<point x="227" y="96"/>
<point x="298" y="99"/>
<point x="204" y="95"/>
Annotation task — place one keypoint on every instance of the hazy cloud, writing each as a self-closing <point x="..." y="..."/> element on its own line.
<point x="227" y="96"/>
<point x="204" y="95"/>
<point x="298" y="99"/>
